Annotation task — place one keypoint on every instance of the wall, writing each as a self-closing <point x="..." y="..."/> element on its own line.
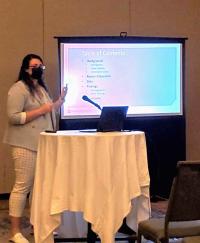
<point x="21" y="32"/>
<point x="29" y="26"/>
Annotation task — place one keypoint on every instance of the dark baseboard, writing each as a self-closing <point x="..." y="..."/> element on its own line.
<point x="4" y="196"/>
<point x="156" y="198"/>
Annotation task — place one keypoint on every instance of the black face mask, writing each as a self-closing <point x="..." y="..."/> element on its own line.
<point x="37" y="73"/>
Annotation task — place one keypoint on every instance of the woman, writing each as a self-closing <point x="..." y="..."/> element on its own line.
<point x="30" y="111"/>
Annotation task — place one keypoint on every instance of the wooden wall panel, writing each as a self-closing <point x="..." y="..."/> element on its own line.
<point x="29" y="26"/>
<point x="176" y="19"/>
<point x="80" y="18"/>
<point x="21" y="26"/>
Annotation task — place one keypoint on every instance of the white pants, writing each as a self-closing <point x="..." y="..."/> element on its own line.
<point x="24" y="165"/>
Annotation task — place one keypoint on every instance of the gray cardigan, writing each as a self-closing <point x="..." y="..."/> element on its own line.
<point x="21" y="100"/>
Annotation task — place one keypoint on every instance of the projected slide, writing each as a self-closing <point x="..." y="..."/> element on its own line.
<point x="146" y="77"/>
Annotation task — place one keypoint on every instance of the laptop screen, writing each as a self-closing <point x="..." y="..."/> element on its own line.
<point x="112" y="118"/>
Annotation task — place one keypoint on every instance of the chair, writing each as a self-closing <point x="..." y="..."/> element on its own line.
<point x="193" y="239"/>
<point x="183" y="213"/>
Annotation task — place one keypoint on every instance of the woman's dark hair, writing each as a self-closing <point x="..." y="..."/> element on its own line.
<point x="25" y="77"/>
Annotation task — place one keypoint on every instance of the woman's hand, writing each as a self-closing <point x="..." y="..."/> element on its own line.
<point x="57" y="104"/>
<point x="47" y="107"/>
<point x="64" y="93"/>
<point x="43" y="109"/>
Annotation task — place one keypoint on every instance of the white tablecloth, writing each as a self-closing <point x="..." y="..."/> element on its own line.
<point x="99" y="174"/>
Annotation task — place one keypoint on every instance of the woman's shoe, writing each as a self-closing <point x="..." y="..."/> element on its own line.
<point x="18" y="238"/>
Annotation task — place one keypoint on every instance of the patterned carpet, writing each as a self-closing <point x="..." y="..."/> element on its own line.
<point x="5" y="223"/>
<point x="158" y="210"/>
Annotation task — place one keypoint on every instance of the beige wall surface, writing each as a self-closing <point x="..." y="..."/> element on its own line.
<point x="80" y="18"/>
<point x="177" y="18"/>
<point x="30" y="26"/>
<point x="21" y="32"/>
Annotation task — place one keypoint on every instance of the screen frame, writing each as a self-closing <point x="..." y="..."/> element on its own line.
<point x="125" y="39"/>
<point x="165" y="135"/>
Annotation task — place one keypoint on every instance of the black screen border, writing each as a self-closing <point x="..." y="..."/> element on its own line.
<point x="125" y="39"/>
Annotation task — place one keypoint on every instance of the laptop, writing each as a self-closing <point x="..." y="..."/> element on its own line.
<point x="112" y="118"/>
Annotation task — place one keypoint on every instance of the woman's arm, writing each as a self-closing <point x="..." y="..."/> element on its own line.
<point x="47" y="107"/>
<point x="33" y="114"/>
<point x="17" y="97"/>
